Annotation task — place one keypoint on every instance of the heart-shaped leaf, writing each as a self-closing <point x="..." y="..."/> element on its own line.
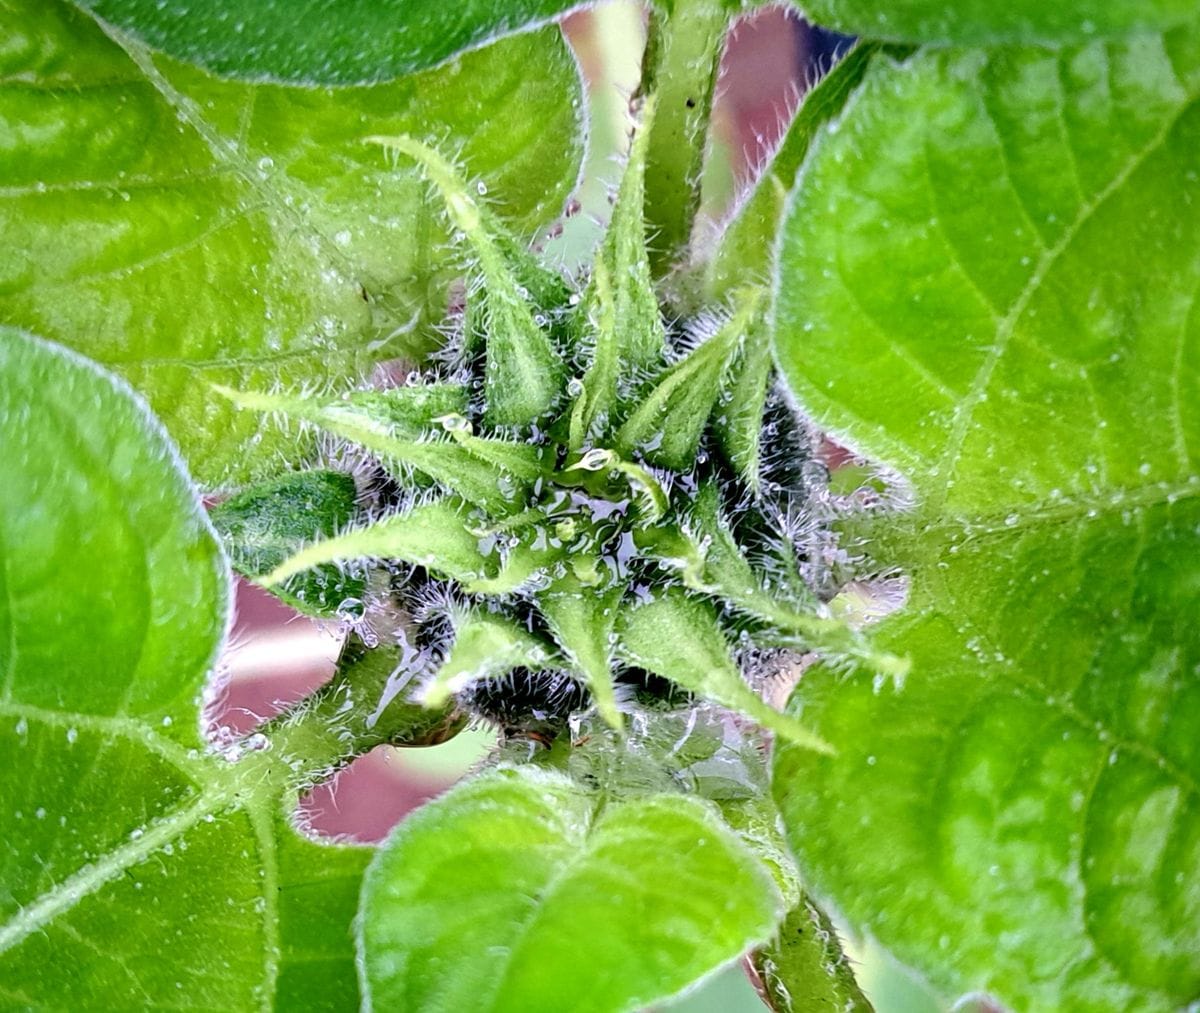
<point x="518" y="890"/>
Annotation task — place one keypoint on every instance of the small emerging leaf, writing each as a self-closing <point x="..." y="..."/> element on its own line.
<point x="523" y="378"/>
<point x="667" y="425"/>
<point x="738" y="423"/>
<point x="582" y="622"/>
<point x="680" y="639"/>
<point x="433" y="535"/>
<point x="620" y="301"/>
<point x="399" y="424"/>
<point x="263" y="525"/>
<point x="485" y="646"/>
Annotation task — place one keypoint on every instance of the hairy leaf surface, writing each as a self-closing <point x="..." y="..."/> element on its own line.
<point x="988" y="280"/>
<point x="517" y="891"/>
<point x="184" y="230"/>
<point x="318" y="42"/>
<point x="136" y="869"/>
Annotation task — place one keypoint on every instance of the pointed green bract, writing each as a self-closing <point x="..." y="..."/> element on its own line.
<point x="263" y="525"/>
<point x="679" y="638"/>
<point x="485" y="646"/>
<point x="408" y="427"/>
<point x="665" y="891"/>
<point x="434" y="535"/>
<point x="715" y="565"/>
<point x="738" y="417"/>
<point x="630" y="331"/>
<point x="666" y="427"/>
<point x="582" y="622"/>
<point x="523" y="377"/>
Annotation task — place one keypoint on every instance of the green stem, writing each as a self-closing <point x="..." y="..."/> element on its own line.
<point x="351" y="714"/>
<point x="683" y="55"/>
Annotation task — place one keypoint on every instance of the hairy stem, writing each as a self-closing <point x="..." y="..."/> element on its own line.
<point x="683" y="54"/>
<point x="370" y="701"/>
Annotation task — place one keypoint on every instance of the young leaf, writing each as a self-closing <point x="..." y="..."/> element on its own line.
<point x="667" y="425"/>
<point x="804" y="967"/>
<point x="980" y="22"/>
<point x="738" y="418"/>
<point x="399" y="425"/>
<point x="479" y="899"/>
<point x="620" y="301"/>
<point x="1020" y="343"/>
<point x="265" y="524"/>
<point x="434" y="535"/>
<point x="115" y="823"/>
<point x="678" y="638"/>
<point x="344" y="42"/>
<point x="485" y="646"/>
<point x="187" y="231"/>
<point x="582" y="622"/>
<point x="523" y="377"/>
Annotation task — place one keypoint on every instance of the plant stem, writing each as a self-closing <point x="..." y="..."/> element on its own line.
<point x="683" y="55"/>
<point x="366" y="704"/>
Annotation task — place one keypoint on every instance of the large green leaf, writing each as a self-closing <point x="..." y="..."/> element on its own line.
<point x="318" y="42"/>
<point x="988" y="279"/>
<point x="185" y="230"/>
<point x="519" y="891"/>
<point x="136" y="870"/>
<point x="984" y="21"/>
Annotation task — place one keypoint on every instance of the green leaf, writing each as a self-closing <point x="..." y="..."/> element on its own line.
<point x="980" y="22"/>
<point x="187" y="231"/>
<point x="1012" y="324"/>
<point x="518" y="891"/>
<point x="346" y="42"/>
<point x="666" y="427"/>
<point x="620" y="304"/>
<point x="804" y="968"/>
<point x="679" y="638"/>
<point x="399" y="425"/>
<point x="582" y="619"/>
<point x="137" y="870"/>
<point x="264" y="525"/>
<point x="434" y="535"/>
<point x="485" y="646"/>
<point x="523" y="375"/>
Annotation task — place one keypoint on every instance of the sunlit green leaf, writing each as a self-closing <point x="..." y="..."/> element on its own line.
<point x="479" y="900"/>
<point x="185" y="230"/>
<point x="1012" y="325"/>
<point x="137" y="870"/>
